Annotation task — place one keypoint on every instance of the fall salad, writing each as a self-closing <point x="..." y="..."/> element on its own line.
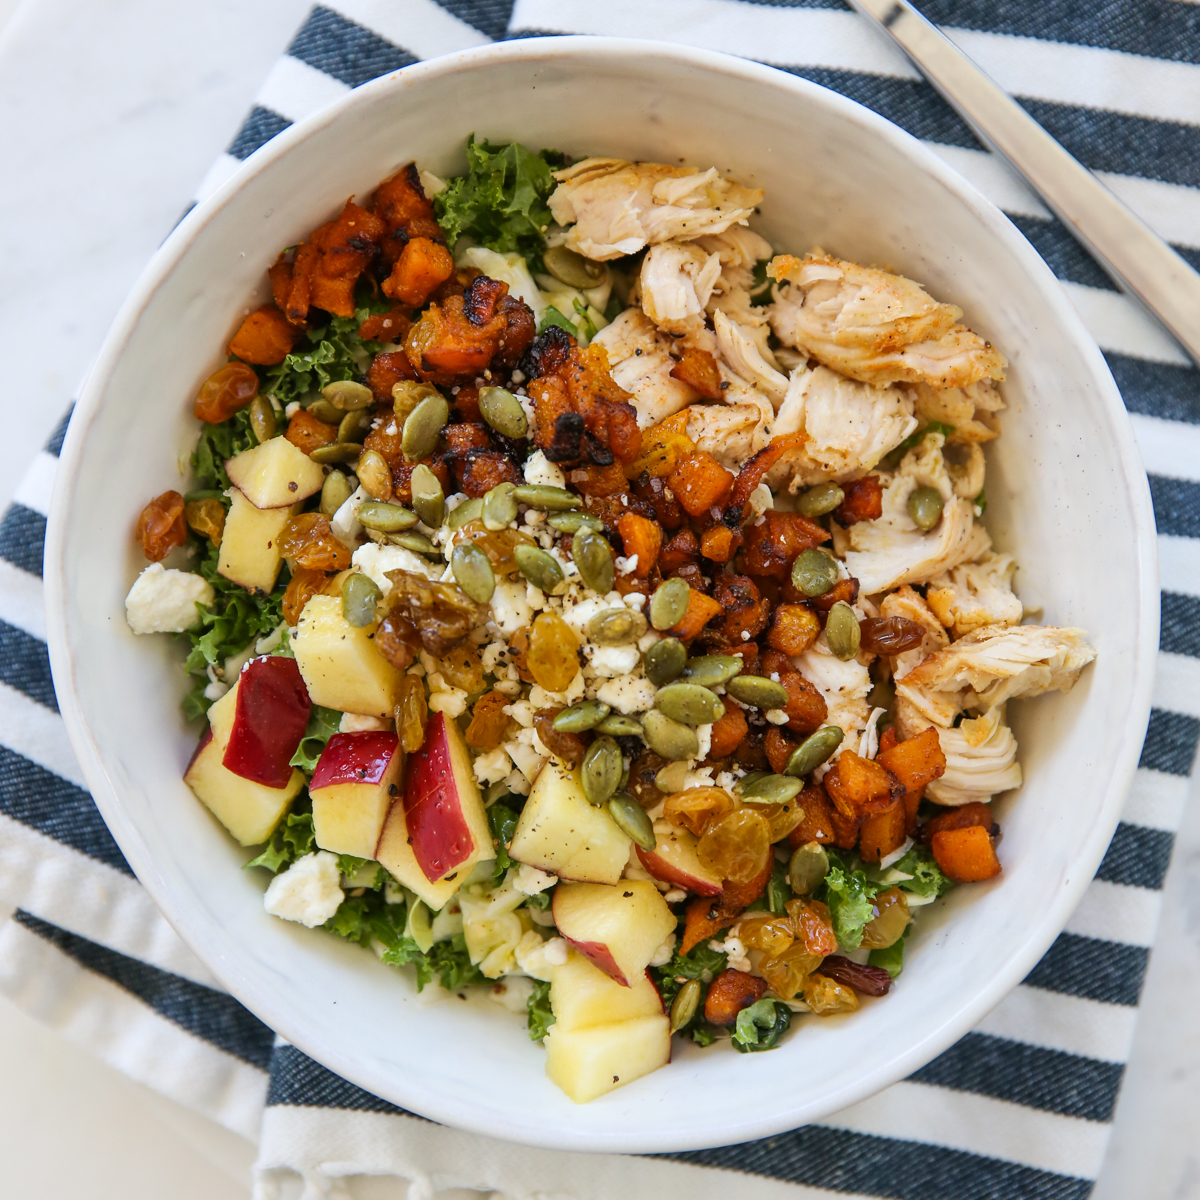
<point x="588" y="603"/>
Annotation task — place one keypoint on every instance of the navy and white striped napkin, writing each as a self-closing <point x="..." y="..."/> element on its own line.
<point x="1020" y="1109"/>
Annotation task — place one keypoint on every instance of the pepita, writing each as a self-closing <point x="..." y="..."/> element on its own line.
<point x="547" y="498"/>
<point x="503" y="412"/>
<point x="670" y="739"/>
<point x="573" y="522"/>
<point x="759" y="691"/>
<point x="423" y="427"/>
<point x="407" y="394"/>
<point x="573" y="269"/>
<point x="771" y="789"/>
<point x="339" y="452"/>
<point x="600" y="772"/>
<point x="808" y="868"/>
<point x="499" y="507"/>
<point x="335" y="491"/>
<point x="842" y="631"/>
<point x="664" y="661"/>
<point x="620" y="726"/>
<point x="578" y="718"/>
<point x="374" y="474"/>
<point x="689" y="704"/>
<point x="324" y="411"/>
<point x="593" y="557"/>
<point x="468" y="510"/>
<point x="819" y="500"/>
<point x="473" y="572"/>
<point x="262" y="418"/>
<point x="709" y="670"/>
<point x="925" y="507"/>
<point x="428" y="499"/>
<point x="616" y="627"/>
<point x="685" y="1004"/>
<point x="418" y="543"/>
<point x="671" y="779"/>
<point x="631" y="820"/>
<point x="669" y="603"/>
<point x="347" y="395"/>
<point x="813" y="751"/>
<point x="540" y="568"/>
<point x="814" y="572"/>
<point x="360" y="596"/>
<point x="354" y="426"/>
<point x="387" y="518"/>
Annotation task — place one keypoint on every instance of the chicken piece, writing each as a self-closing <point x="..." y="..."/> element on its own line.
<point x="734" y="431"/>
<point x="976" y="594"/>
<point x="616" y="208"/>
<point x="747" y="360"/>
<point x="981" y="758"/>
<point x="874" y="326"/>
<point x="640" y="361"/>
<point x="844" y="685"/>
<point x="892" y="550"/>
<point x="911" y="606"/>
<point x="738" y="250"/>
<point x="966" y="467"/>
<point x="850" y="426"/>
<point x="676" y="281"/>
<point x="997" y="663"/>
<point x="971" y="410"/>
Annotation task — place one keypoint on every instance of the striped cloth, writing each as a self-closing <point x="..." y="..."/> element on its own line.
<point x="1020" y="1108"/>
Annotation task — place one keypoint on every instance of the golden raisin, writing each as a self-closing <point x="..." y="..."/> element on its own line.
<point x="304" y="584"/>
<point x="769" y="932"/>
<point x="412" y="713"/>
<point x="461" y="668"/>
<point x="489" y="721"/>
<point x="812" y="926"/>
<point x="738" y="846"/>
<point x="226" y="391"/>
<point x="787" y="973"/>
<point x="697" y="807"/>
<point x="826" y="997"/>
<point x="308" y="541"/>
<point x="890" y="920"/>
<point x="207" y="518"/>
<point x="553" y="652"/>
<point x="498" y="545"/>
<point x="438" y="615"/>
<point x="161" y="526"/>
<point x="567" y="747"/>
<point x="782" y="818"/>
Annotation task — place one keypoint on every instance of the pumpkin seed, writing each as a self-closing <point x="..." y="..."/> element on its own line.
<point x="593" y="557"/>
<point x="772" y="789"/>
<point x="587" y="714"/>
<point x="842" y="631"/>
<point x="749" y="779"/>
<point x="619" y="726"/>
<point x="813" y="751"/>
<point x="709" y="670"/>
<point x="671" y="779"/>
<point x="759" y="691"/>
<point x="631" y="820"/>
<point x="468" y="510"/>
<point x="387" y="518"/>
<point x="668" y="738"/>
<point x="423" y="427"/>
<point x="540" y="568"/>
<point x="685" y="1004"/>
<point x="814" y="572"/>
<point x="600" y="772"/>
<point x="503" y="412"/>
<point x="925" y="507"/>
<point x="547" y="498"/>
<point x="573" y="269"/>
<point x="689" y="704"/>
<point x="407" y="394"/>
<point x="428" y="499"/>
<point x="339" y="452"/>
<point x="664" y="661"/>
<point x="573" y="522"/>
<point x="354" y="426"/>
<point x="375" y="474"/>
<point x="418" y="543"/>
<point x="499" y="507"/>
<point x="360" y="595"/>
<point x="335" y="491"/>
<point x="819" y="500"/>
<point x="616" y="627"/>
<point x="262" y="419"/>
<point x="669" y="603"/>
<point x="347" y="395"/>
<point x="473" y="572"/>
<point x="324" y="411"/>
<point x="808" y="868"/>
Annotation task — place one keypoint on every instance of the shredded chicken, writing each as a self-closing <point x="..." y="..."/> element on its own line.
<point x="845" y="686"/>
<point x="676" y="281"/>
<point x="966" y="467"/>
<point x="616" y="208"/>
<point x="910" y="605"/>
<point x="875" y="326"/>
<point x="747" y="360"/>
<point x="971" y="410"/>
<point x="640" y="362"/>
<point x="976" y="594"/>
<point x="734" y="431"/>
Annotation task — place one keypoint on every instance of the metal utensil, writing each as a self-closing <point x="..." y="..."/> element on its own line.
<point x="1124" y="245"/>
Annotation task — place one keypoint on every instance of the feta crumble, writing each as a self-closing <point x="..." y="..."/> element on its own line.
<point x="309" y="891"/>
<point x="163" y="600"/>
<point x="541" y="472"/>
<point x="735" y="950"/>
<point x="510" y="607"/>
<point x="529" y="881"/>
<point x="375" y="559"/>
<point x="357" y="723"/>
<point x="537" y="957"/>
<point x="629" y="694"/>
<point x="491" y="767"/>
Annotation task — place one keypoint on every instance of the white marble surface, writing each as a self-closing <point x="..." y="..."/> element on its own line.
<point x="110" y="112"/>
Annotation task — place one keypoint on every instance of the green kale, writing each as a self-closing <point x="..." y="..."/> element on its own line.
<point x="981" y="502"/>
<point x="849" y="894"/>
<point x="538" y="1007"/>
<point x="362" y="872"/>
<point x="760" y="1026"/>
<point x="891" y="958"/>
<point x="453" y="964"/>
<point x="927" y="877"/>
<point x="323" y="723"/>
<point x="406" y="952"/>
<point x="216" y="444"/>
<point x="501" y="201"/>
<point x="762" y="284"/>
<point x="294" y="837"/>
<point x="703" y="1034"/>
<point x="503" y="823"/>
<point x="700" y="962"/>
<point x="551" y="316"/>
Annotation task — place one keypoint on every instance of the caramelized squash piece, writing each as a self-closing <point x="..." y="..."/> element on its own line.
<point x="966" y="855"/>
<point x="265" y="338"/>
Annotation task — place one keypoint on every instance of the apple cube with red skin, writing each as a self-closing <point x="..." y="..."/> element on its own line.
<point x="438" y="830"/>
<point x="618" y="927"/>
<point x="352" y="788"/>
<point x="587" y="1063"/>
<point x="581" y="995"/>
<point x="674" y="860"/>
<point x="269" y="720"/>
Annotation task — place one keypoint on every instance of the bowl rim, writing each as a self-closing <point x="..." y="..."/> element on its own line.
<point x="214" y="954"/>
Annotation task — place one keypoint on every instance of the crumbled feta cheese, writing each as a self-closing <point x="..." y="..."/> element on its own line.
<point x="635" y="600"/>
<point x="665" y="952"/>
<point x="528" y="761"/>
<point x="291" y="409"/>
<point x="492" y="766"/>
<point x="492" y="656"/>
<point x="611" y="662"/>
<point x="521" y="711"/>
<point x="446" y="699"/>
<point x="508" y="687"/>
<point x="309" y="891"/>
<point x="674" y="895"/>
<point x="541" y="698"/>
<point x="629" y="694"/>
<point x="375" y="560"/>
<point x="163" y="600"/>
<point x="736" y="951"/>
<point x="529" y="881"/>
<point x="357" y="723"/>
<point x="344" y="524"/>
<point x="777" y="716"/>
<point x="517" y="784"/>
<point x="510" y="607"/>
<point x="532" y="954"/>
<point x="540" y="471"/>
<point x="704" y="735"/>
<point x="627" y="566"/>
<point x="512" y="992"/>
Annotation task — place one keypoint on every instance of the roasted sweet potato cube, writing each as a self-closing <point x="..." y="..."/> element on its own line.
<point x="698" y="369"/>
<point x="793" y="629"/>
<point x="422" y="265"/>
<point x="961" y="817"/>
<point x="729" y="993"/>
<point x="806" y="707"/>
<point x="860" y="786"/>
<point x="917" y="760"/>
<point x="387" y="370"/>
<point x="700" y="483"/>
<point x="265" y="337"/>
<point x="883" y="832"/>
<point x="845" y="829"/>
<point x="966" y="855"/>
<point x="778" y="747"/>
<point x="728" y="731"/>
<point x="754" y="470"/>
<point x="642" y="537"/>
<point x="700" y="610"/>
<point x="661" y="447"/>
<point x="280" y="275"/>
<point x="772" y="547"/>
<point x="844" y="589"/>
<point x="863" y="501"/>
<point x="736" y="896"/>
<point x="719" y="543"/>
<point x="390" y="326"/>
<point x="817" y="825"/>
<point x="704" y="918"/>
<point x="681" y="550"/>
<point x="306" y="432"/>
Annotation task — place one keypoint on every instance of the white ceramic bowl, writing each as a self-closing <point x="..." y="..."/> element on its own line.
<point x="1067" y="495"/>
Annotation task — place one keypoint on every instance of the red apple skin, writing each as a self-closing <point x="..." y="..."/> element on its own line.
<point x="600" y="956"/>
<point x="362" y="757"/>
<point x="663" y="869"/>
<point x="270" y="719"/>
<point x="205" y="738"/>
<point x="438" y="831"/>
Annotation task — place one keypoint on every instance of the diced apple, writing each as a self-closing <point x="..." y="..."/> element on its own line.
<point x="581" y="995"/>
<point x="249" y="810"/>
<point x="394" y="853"/>
<point x="352" y="788"/>
<point x="269" y="719"/>
<point x="248" y="553"/>
<point x="275" y="474"/>
<point x="559" y="831"/>
<point x="674" y="860"/>
<point x="586" y="1063"/>
<point x="339" y="662"/>
<point x="619" y="928"/>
